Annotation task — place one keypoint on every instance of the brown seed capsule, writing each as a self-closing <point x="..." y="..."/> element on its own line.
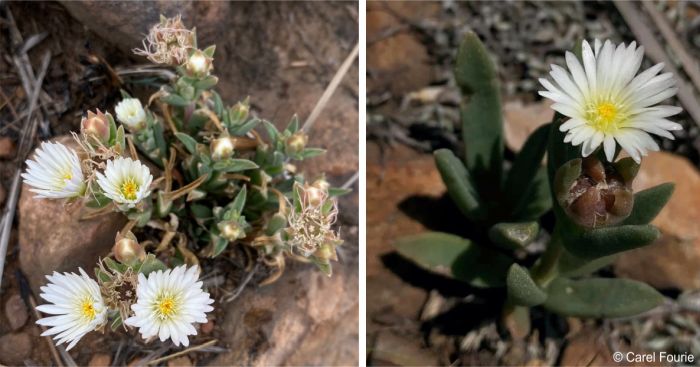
<point x="95" y="126"/>
<point x="600" y="195"/>
<point x="128" y="251"/>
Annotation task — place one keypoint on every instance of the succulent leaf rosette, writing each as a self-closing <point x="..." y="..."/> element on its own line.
<point x="204" y="175"/>
<point x="602" y="107"/>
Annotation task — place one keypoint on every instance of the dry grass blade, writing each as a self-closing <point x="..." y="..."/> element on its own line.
<point x="330" y="89"/>
<point x="185" y="189"/>
<point x="689" y="63"/>
<point x="25" y="144"/>
<point x="182" y="352"/>
<point x="636" y="22"/>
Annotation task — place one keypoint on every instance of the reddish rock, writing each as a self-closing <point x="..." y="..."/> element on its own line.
<point x="305" y="318"/>
<point x="16" y="312"/>
<point x="15" y="348"/>
<point x="100" y="360"/>
<point x="52" y="236"/>
<point x="521" y="120"/>
<point x="397" y="61"/>
<point x="673" y="261"/>
<point x="391" y="349"/>
<point x="180" y="362"/>
<point x="587" y="349"/>
<point x="7" y="148"/>
<point x="208" y="327"/>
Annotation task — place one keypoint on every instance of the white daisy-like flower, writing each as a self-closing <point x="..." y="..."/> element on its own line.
<point x="55" y="173"/>
<point x="168" y="303"/>
<point x="125" y="181"/>
<point x="606" y="102"/>
<point x="77" y="304"/>
<point x="130" y="112"/>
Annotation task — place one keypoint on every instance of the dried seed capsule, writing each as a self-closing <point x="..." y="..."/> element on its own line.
<point x="596" y="194"/>
<point x="127" y="251"/>
<point x="95" y="126"/>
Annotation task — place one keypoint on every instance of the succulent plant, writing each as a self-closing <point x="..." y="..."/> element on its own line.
<point x="597" y="215"/>
<point x="194" y="176"/>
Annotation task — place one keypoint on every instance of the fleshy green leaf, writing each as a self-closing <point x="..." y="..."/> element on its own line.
<point x="456" y="178"/>
<point x="648" y="203"/>
<point x="312" y="152"/>
<point x="206" y="82"/>
<point x="151" y="264"/>
<point x="276" y="223"/>
<point x="529" y="160"/>
<point x="456" y="257"/>
<point x="234" y="165"/>
<point x="219" y="245"/>
<point x="601" y="297"/>
<point x="539" y="198"/>
<point x="188" y="141"/>
<point x="599" y="242"/>
<point x="571" y="266"/>
<point x="514" y="236"/>
<point x="114" y="266"/>
<point x="482" y="125"/>
<point x="522" y="290"/>
<point x="175" y="100"/>
<point x="239" y="202"/>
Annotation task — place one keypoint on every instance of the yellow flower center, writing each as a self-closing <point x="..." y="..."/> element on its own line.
<point x="129" y="188"/>
<point x="87" y="309"/>
<point x="166" y="306"/>
<point x="605" y="116"/>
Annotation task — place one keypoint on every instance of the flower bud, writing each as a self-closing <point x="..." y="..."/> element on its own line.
<point x="296" y="143"/>
<point x="594" y="194"/>
<point x="222" y="148"/>
<point x="315" y="196"/>
<point x="321" y="184"/>
<point x="130" y="112"/>
<point x="240" y="110"/>
<point x="96" y="125"/>
<point x="128" y="251"/>
<point x="326" y="252"/>
<point x="199" y="64"/>
<point x="231" y="230"/>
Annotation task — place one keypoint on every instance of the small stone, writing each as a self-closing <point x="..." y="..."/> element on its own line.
<point x="16" y="312"/>
<point x="673" y="261"/>
<point x="7" y="148"/>
<point x="53" y="237"/>
<point x="396" y="350"/>
<point x="522" y="120"/>
<point x="208" y="327"/>
<point x="180" y="362"/>
<point x="100" y="360"/>
<point x="15" y="348"/>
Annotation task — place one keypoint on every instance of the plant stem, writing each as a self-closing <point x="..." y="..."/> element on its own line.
<point x="547" y="268"/>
